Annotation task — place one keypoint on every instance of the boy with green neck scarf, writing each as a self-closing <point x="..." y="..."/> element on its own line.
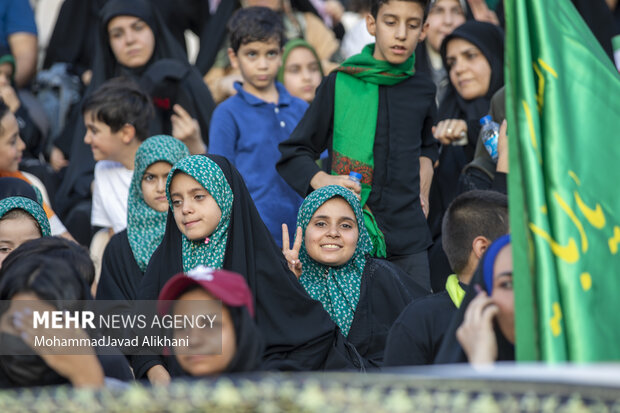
<point x="374" y="115"/>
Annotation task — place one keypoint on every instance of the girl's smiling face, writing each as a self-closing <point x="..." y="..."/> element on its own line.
<point x="332" y="233"/>
<point x="196" y="212"/>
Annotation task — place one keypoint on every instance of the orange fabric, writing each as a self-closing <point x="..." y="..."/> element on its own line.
<point x="17" y="174"/>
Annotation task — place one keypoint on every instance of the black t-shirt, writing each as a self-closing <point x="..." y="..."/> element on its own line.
<point x="406" y="114"/>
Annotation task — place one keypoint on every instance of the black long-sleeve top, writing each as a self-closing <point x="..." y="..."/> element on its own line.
<point x="406" y="114"/>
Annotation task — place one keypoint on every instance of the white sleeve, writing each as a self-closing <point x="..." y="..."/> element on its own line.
<point x="56" y="225"/>
<point x="98" y="215"/>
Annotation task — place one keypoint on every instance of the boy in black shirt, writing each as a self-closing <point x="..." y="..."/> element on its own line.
<point x="375" y="117"/>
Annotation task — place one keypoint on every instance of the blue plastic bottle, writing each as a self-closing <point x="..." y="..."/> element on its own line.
<point x="355" y="176"/>
<point x="490" y="135"/>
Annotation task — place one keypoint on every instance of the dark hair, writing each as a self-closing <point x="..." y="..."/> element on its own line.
<point x="472" y="214"/>
<point x="375" y="5"/>
<point x="56" y="247"/>
<point x="255" y="24"/>
<point x="118" y="102"/>
<point x="4" y="109"/>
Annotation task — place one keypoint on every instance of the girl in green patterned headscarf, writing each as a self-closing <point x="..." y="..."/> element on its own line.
<point x="333" y="251"/>
<point x="21" y="219"/>
<point x="147" y="204"/>
<point x="128" y="253"/>
<point x="201" y="200"/>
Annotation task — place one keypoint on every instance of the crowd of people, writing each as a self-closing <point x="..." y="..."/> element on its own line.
<point x="319" y="169"/>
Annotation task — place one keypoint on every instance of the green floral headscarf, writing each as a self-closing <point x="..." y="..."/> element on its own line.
<point x="337" y="288"/>
<point x="209" y="252"/>
<point x="146" y="226"/>
<point x="31" y="207"/>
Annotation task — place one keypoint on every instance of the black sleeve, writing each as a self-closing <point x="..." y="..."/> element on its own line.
<point x="430" y="145"/>
<point x="403" y="347"/>
<point x="120" y="274"/>
<point x="499" y="183"/>
<point x="310" y="138"/>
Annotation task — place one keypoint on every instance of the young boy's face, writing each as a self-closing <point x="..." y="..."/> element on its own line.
<point x="443" y="18"/>
<point x="397" y="29"/>
<point x="11" y="145"/>
<point x="259" y="63"/>
<point x="105" y="144"/>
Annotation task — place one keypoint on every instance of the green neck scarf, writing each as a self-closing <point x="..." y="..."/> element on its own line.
<point x="146" y="226"/>
<point x="355" y="121"/>
<point x="455" y="291"/>
<point x="31" y="207"/>
<point x="210" y="251"/>
<point x="337" y="288"/>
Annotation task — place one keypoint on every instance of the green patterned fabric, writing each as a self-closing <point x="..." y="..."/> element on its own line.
<point x="31" y="207"/>
<point x="337" y="288"/>
<point x="210" y="251"/>
<point x="146" y="226"/>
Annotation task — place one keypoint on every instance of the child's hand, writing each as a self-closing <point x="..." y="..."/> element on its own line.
<point x="476" y="334"/>
<point x="187" y="130"/>
<point x="482" y="13"/>
<point x="57" y="159"/>
<point x="292" y="255"/>
<point x="449" y="131"/>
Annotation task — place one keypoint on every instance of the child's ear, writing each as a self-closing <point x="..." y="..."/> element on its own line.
<point x="128" y="133"/>
<point x="371" y="24"/>
<point x="232" y="56"/>
<point x="423" y="33"/>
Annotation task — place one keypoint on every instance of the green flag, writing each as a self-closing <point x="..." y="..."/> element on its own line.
<point x="563" y="110"/>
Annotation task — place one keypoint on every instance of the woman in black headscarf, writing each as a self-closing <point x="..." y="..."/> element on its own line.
<point x="134" y="42"/>
<point x="473" y="55"/>
<point x="483" y="330"/>
<point x="299" y="334"/>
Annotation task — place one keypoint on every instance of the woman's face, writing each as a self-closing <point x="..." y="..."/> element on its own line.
<point x="302" y="74"/>
<point x="503" y="294"/>
<point x="154" y="185"/>
<point x="196" y="212"/>
<point x="203" y="356"/>
<point x="470" y="72"/>
<point x="131" y="40"/>
<point x="14" y="232"/>
<point x="331" y="236"/>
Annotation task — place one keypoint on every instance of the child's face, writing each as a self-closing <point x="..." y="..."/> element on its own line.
<point x="259" y="63"/>
<point x="445" y="16"/>
<point x="154" y="185"/>
<point x="469" y="70"/>
<point x="6" y="72"/>
<point x="302" y="74"/>
<point x="14" y="232"/>
<point x="131" y="40"/>
<point x="196" y="212"/>
<point x="11" y="145"/>
<point x="199" y="359"/>
<point x="331" y="236"/>
<point x="397" y="29"/>
<point x="105" y="144"/>
<point x="503" y="295"/>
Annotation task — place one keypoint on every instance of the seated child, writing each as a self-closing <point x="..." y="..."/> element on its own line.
<point x="117" y="119"/>
<point x="241" y="343"/>
<point x="21" y="219"/>
<point x="128" y="253"/>
<point x="363" y="295"/>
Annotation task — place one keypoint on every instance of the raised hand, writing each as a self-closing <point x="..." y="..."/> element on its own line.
<point x="187" y="130"/>
<point x="476" y="333"/>
<point x="292" y="254"/>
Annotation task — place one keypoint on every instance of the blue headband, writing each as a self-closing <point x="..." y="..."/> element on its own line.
<point x="489" y="260"/>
